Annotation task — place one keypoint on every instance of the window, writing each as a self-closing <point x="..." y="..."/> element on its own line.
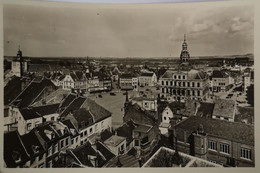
<point x="62" y="144"/>
<point x="198" y="93"/>
<point x="72" y="141"/>
<point x="183" y="77"/>
<point x="174" y="76"/>
<point x="224" y="148"/>
<point x="29" y="126"/>
<point x="122" y="147"/>
<point x="175" y="83"/>
<point x="171" y="83"/>
<point x="136" y="142"/>
<point x="193" y="84"/>
<point x="188" y="84"/>
<point x="76" y="139"/>
<point x="85" y="133"/>
<point x="90" y="130"/>
<point x="81" y="134"/>
<point x="162" y="90"/>
<point x="245" y="153"/>
<point x="179" y="77"/>
<point x="55" y="149"/>
<point x="183" y="84"/>
<point x="162" y="82"/>
<point x="198" y="84"/>
<point x="67" y="141"/>
<point x="167" y="83"/>
<point x="212" y="145"/>
<point x="49" y="152"/>
<point x="52" y="118"/>
<point x="164" y="118"/>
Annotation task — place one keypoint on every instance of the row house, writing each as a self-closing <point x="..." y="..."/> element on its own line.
<point x="34" y="92"/>
<point x="147" y="79"/>
<point x="220" y="81"/>
<point x="88" y="117"/>
<point x="56" y="137"/>
<point x="74" y="80"/>
<point x="39" y="148"/>
<point x="128" y="82"/>
<point x="222" y="142"/>
<point x="183" y="84"/>
<point x="29" y="118"/>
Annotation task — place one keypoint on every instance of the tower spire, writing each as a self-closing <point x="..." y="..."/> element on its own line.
<point x="185" y="56"/>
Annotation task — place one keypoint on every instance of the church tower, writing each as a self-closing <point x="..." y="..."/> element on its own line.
<point x="185" y="56"/>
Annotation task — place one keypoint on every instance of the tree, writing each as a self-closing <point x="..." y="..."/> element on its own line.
<point x="250" y="95"/>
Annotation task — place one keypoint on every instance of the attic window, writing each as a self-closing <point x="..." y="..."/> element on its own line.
<point x="16" y="156"/>
<point x="35" y="148"/>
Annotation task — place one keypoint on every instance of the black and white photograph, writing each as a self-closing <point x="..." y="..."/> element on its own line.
<point x="128" y="85"/>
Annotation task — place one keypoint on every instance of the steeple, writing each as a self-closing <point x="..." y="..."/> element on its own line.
<point x="185" y="56"/>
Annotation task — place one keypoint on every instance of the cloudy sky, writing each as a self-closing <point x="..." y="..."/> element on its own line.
<point x="144" y="30"/>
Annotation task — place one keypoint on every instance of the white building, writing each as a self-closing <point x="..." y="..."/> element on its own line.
<point x="116" y="144"/>
<point x="147" y="79"/>
<point x="29" y="118"/>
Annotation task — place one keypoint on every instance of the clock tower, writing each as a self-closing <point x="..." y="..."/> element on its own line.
<point x="185" y="56"/>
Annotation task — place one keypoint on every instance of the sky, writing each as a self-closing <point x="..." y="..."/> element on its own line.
<point x="48" y="29"/>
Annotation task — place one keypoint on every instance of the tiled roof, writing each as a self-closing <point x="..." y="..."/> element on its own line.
<point x="105" y="135"/>
<point x="30" y="140"/>
<point x="12" y="89"/>
<point x="136" y="114"/>
<point x="219" y="128"/>
<point x="126" y="130"/>
<point x="245" y="115"/>
<point x="99" y="113"/>
<point x="114" y="140"/>
<point x="83" y="116"/>
<point x="83" y="152"/>
<point x="176" y="105"/>
<point x="13" y="146"/>
<point x="195" y="74"/>
<point x="67" y="100"/>
<point x="73" y="106"/>
<point x="205" y="109"/>
<point x="126" y="76"/>
<point x="31" y="93"/>
<point x="105" y="152"/>
<point x="54" y="97"/>
<point x="167" y="75"/>
<point x="37" y="112"/>
<point x="224" y="108"/>
<point x="147" y="74"/>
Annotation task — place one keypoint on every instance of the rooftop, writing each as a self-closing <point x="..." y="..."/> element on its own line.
<point x="114" y="140"/>
<point x="219" y="128"/>
<point x="164" y="157"/>
<point x="224" y="108"/>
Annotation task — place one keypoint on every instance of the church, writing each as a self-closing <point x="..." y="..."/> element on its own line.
<point x="184" y="82"/>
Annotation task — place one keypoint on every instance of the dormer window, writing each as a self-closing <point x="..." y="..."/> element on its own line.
<point x="16" y="156"/>
<point x="35" y="149"/>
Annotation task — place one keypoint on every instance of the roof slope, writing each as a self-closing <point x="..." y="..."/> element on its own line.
<point x="31" y="93"/>
<point x="224" y="108"/>
<point x="222" y="129"/>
